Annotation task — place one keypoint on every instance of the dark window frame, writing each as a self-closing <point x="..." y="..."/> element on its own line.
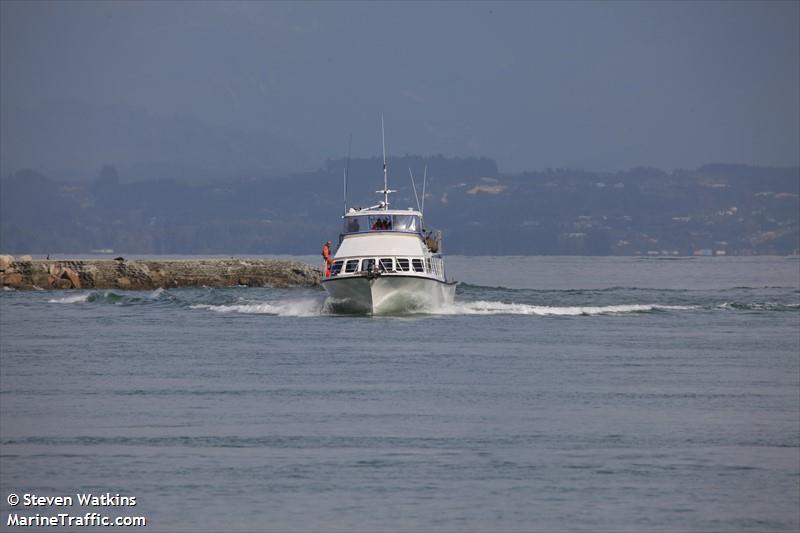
<point x="349" y="262"/>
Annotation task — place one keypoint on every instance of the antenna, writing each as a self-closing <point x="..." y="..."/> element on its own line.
<point x="386" y="190"/>
<point x="346" y="170"/>
<point x="424" y="183"/>
<point x="415" y="187"/>
<point x="385" y="175"/>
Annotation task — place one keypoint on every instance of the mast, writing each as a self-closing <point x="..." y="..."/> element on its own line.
<point x="346" y="169"/>
<point x="414" y="186"/>
<point x="386" y="190"/>
<point x="424" y="183"/>
<point x="385" y="173"/>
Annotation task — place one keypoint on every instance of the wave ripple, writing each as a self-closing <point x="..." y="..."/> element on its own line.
<point x="499" y="308"/>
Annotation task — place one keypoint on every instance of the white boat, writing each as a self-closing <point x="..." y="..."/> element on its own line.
<point x="387" y="262"/>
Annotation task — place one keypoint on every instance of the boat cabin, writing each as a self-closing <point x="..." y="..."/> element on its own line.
<point x="397" y="221"/>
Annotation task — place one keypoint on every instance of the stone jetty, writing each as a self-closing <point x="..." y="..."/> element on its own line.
<point x="24" y="273"/>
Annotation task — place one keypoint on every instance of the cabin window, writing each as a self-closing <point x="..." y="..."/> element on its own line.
<point x="406" y="223"/>
<point x="386" y="264"/>
<point x="359" y="223"/>
<point x="417" y="264"/>
<point x="367" y="265"/>
<point x="380" y="222"/>
<point x="351" y="266"/>
<point x="355" y="224"/>
<point x="336" y="267"/>
<point x="402" y="265"/>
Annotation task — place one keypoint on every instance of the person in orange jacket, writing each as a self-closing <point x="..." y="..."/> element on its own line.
<point x="326" y="254"/>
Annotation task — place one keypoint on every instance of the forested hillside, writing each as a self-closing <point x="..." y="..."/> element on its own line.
<point x="715" y="209"/>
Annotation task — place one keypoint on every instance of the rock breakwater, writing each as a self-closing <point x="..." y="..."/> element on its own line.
<point x="26" y="274"/>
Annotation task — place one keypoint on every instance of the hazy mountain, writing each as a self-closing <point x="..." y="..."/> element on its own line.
<point x="715" y="209"/>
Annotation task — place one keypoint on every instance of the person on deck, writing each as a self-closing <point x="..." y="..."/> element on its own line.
<point x="326" y="254"/>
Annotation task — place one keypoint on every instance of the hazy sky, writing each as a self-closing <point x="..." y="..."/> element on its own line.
<point x="598" y="85"/>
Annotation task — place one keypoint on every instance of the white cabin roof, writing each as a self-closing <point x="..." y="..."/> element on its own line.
<point x="354" y="212"/>
<point x="381" y="243"/>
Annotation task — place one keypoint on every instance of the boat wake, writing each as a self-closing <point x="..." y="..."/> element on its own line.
<point x="303" y="307"/>
<point x="77" y="298"/>
<point x="116" y="298"/>
<point x="310" y="308"/>
<point x="758" y="306"/>
<point x="478" y="301"/>
<point x="500" y="308"/>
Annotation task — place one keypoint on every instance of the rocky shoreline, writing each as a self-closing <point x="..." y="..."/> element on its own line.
<point x="25" y="273"/>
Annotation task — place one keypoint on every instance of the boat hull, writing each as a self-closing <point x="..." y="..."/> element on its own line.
<point x="387" y="294"/>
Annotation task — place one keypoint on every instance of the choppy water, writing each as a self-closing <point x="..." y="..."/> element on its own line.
<point x="556" y="394"/>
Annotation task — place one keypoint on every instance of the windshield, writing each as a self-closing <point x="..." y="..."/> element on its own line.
<point x="355" y="224"/>
<point x="363" y="223"/>
<point x="406" y="223"/>
<point x="380" y="222"/>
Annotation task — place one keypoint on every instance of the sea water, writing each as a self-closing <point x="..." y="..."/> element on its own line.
<point x="593" y="394"/>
